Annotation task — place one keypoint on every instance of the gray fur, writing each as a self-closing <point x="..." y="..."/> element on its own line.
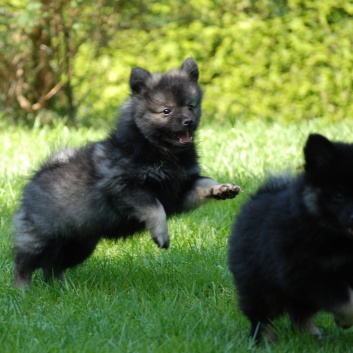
<point x="144" y="172"/>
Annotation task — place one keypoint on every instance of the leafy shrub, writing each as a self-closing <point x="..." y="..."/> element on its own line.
<point x="262" y="59"/>
<point x="268" y="59"/>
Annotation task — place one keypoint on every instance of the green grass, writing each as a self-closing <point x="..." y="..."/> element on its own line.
<point x="132" y="297"/>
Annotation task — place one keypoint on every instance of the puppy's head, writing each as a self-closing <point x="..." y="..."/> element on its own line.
<point x="329" y="174"/>
<point x="167" y="107"/>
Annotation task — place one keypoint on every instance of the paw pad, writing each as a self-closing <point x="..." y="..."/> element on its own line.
<point x="225" y="191"/>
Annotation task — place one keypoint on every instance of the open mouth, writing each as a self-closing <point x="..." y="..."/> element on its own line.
<point x="184" y="137"/>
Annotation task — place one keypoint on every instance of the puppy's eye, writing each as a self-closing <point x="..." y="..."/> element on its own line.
<point x="338" y="196"/>
<point x="166" y="111"/>
<point x="191" y="107"/>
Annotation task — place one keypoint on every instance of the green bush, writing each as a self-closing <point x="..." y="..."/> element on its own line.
<point x="268" y="59"/>
<point x="258" y="59"/>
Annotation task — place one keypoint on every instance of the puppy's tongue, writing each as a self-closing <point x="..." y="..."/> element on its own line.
<point x="185" y="137"/>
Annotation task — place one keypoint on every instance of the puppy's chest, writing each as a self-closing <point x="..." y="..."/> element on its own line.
<point x="162" y="172"/>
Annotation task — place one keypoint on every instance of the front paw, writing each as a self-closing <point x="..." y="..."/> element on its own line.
<point x="225" y="191"/>
<point x="162" y="241"/>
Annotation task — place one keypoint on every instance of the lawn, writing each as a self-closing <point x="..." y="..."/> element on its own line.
<point x="131" y="296"/>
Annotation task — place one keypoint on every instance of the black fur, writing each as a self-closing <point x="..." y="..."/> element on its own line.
<point x="291" y="247"/>
<point x="144" y="171"/>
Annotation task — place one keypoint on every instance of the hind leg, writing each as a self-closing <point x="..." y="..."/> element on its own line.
<point x="28" y="257"/>
<point x="28" y="247"/>
<point x="50" y="274"/>
<point x="305" y="323"/>
<point x="66" y="254"/>
<point x="26" y="262"/>
<point x="32" y="253"/>
<point x="263" y="329"/>
<point x="23" y="271"/>
<point x="263" y="306"/>
<point x="261" y="311"/>
<point x="53" y="256"/>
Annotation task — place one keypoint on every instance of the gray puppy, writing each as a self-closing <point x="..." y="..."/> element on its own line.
<point x="144" y="172"/>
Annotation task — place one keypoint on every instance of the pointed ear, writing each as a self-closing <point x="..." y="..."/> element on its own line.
<point x="190" y="66"/>
<point x="318" y="152"/>
<point x="138" y="78"/>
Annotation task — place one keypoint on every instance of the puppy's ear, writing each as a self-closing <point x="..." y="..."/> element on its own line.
<point x="318" y="152"/>
<point x="190" y="66"/>
<point x="138" y="79"/>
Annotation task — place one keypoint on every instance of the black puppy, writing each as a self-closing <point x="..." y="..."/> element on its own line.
<point x="291" y="248"/>
<point x="145" y="171"/>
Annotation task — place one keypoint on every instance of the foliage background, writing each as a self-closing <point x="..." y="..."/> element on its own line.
<point x="269" y="59"/>
<point x="264" y="63"/>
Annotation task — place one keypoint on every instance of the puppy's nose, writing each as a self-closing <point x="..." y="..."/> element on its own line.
<point x="187" y="121"/>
